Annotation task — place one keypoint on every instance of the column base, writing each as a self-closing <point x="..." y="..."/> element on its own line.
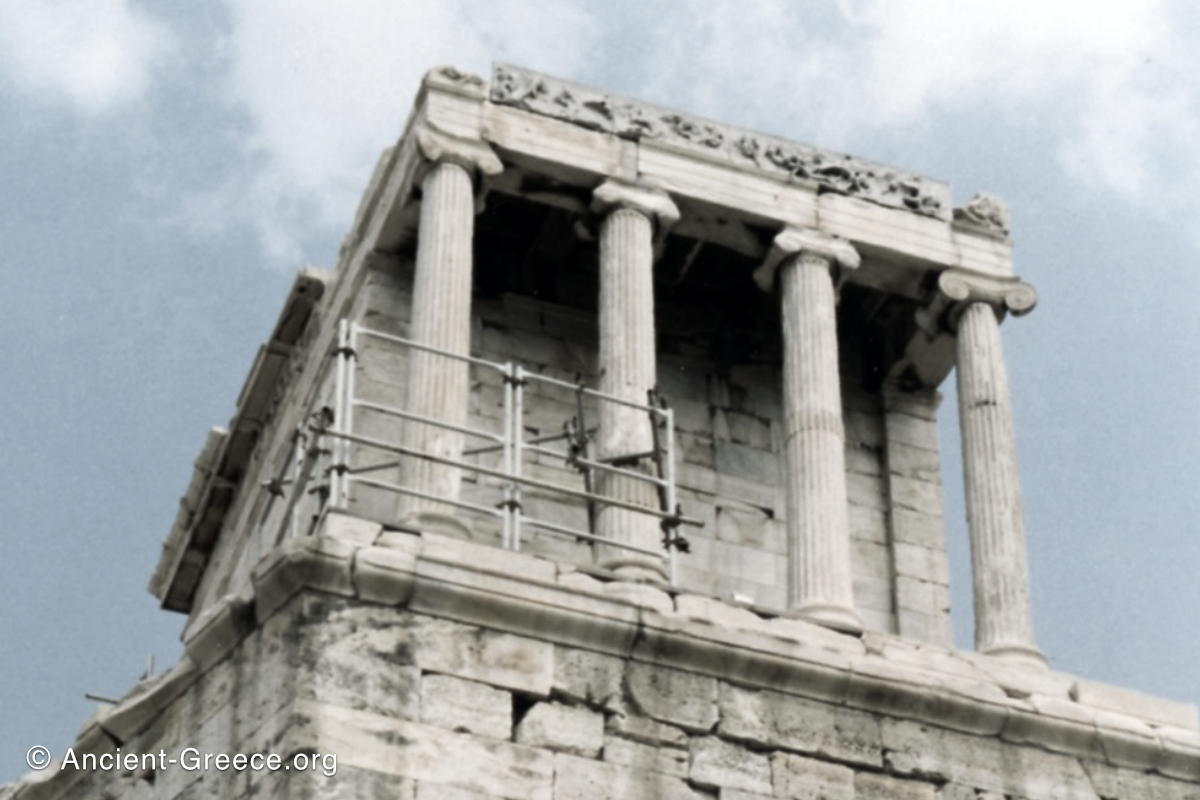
<point x="645" y="595"/>
<point x="827" y="615"/>
<point x="436" y="522"/>
<point x="635" y="570"/>
<point x="1018" y="653"/>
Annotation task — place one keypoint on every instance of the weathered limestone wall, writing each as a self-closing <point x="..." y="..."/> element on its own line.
<point x="436" y="668"/>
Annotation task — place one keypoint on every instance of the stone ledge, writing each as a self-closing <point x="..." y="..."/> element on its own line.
<point x="532" y="597"/>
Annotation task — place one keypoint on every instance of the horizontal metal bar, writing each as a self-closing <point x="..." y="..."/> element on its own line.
<point x="575" y="387"/>
<point x="619" y="471"/>
<point x="371" y="468"/>
<point x="546" y="451"/>
<point x="428" y="349"/>
<point x="491" y="512"/>
<point x="437" y="423"/>
<point x="534" y="522"/>
<point x="450" y="462"/>
<point x="525" y="443"/>
<point x="630" y="457"/>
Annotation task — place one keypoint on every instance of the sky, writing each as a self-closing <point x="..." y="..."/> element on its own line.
<point x="165" y="168"/>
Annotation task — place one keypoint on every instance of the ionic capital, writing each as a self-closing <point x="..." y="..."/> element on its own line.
<point x="793" y="242"/>
<point x="438" y="147"/>
<point x="654" y="204"/>
<point x="957" y="289"/>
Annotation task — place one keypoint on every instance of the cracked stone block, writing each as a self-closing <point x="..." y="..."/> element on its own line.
<point x="801" y="778"/>
<point x="583" y="779"/>
<point x="715" y="762"/>
<point x="570" y="729"/>
<point x="638" y="755"/>
<point x="500" y="659"/>
<point x="773" y="720"/>
<point x="466" y="706"/>
<point x="585" y="677"/>
<point x="673" y="696"/>
<point x="874" y="786"/>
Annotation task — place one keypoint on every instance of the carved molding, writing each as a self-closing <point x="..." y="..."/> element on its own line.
<point x="653" y="203"/>
<point x="985" y="211"/>
<point x="595" y="110"/>
<point x="451" y="75"/>
<point x="792" y="242"/>
<point x="438" y="146"/>
<point x="957" y="289"/>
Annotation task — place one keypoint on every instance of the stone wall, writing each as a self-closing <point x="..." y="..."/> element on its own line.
<point x="728" y="459"/>
<point x="436" y="668"/>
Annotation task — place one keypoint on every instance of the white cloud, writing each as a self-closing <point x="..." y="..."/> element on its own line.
<point x="327" y="89"/>
<point x="96" y="54"/>
<point x="1082" y="74"/>
<point x="1112" y="86"/>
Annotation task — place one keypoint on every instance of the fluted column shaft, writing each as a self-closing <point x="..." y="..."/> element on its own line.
<point x="820" y="584"/>
<point x="441" y="317"/>
<point x="1003" y="621"/>
<point x="628" y="369"/>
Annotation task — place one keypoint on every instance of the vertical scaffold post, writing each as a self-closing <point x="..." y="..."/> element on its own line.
<point x="506" y="459"/>
<point x="671" y="503"/>
<point x="343" y="376"/>
<point x="579" y="448"/>
<point x="518" y="455"/>
<point x="664" y="462"/>
<point x="346" y="413"/>
<point x="296" y="459"/>
<point x="336" y="466"/>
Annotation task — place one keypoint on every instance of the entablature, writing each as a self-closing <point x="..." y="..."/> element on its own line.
<point x="558" y="142"/>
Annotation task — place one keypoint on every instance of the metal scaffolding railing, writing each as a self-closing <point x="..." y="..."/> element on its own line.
<point x="329" y="457"/>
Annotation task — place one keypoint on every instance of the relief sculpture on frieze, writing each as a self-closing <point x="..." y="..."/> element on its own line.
<point x="832" y="172"/>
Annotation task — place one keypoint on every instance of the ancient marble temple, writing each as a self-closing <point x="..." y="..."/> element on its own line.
<point x="604" y="465"/>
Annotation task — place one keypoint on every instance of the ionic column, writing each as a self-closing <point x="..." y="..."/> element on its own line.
<point x="437" y="386"/>
<point x="630" y="215"/>
<point x="1003" y="622"/>
<point x="820" y="582"/>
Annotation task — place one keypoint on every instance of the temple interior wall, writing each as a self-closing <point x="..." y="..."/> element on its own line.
<point x="728" y="453"/>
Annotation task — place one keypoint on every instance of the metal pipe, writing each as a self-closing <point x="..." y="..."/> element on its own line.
<point x="668" y="468"/>
<point x="491" y="512"/>
<point x="574" y="387"/>
<point x="339" y="394"/>
<point x="536" y="523"/>
<point x="641" y="476"/>
<point x="532" y="482"/>
<point x="517" y="429"/>
<point x="536" y="440"/>
<point x="437" y="350"/>
<point x="437" y="423"/>
<point x="506" y="456"/>
<point x="348" y="408"/>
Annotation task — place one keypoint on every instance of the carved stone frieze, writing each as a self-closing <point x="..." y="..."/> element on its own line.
<point x="595" y="110"/>
<point x="456" y="76"/>
<point x="456" y="81"/>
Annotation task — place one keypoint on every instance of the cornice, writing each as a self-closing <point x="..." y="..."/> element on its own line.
<point x="530" y="596"/>
<point x="630" y="119"/>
